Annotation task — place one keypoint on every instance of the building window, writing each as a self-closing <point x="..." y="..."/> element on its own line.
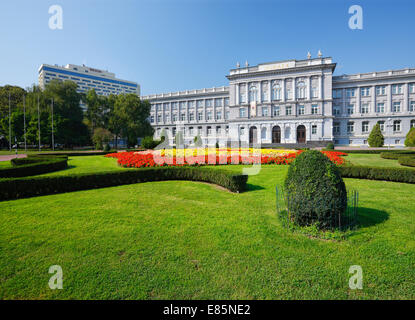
<point x="301" y="109"/>
<point x="350" y="109"/>
<point x="412" y="88"/>
<point x="382" y="125"/>
<point x="209" y="103"/>
<point x="199" y="103"/>
<point x="253" y="93"/>
<point x="412" y="106"/>
<point x="288" y="92"/>
<point x="380" y="108"/>
<point x="350" y="127"/>
<point x="350" y="92"/>
<point x="174" y="105"/>
<point x="199" y="130"/>
<point x="182" y="117"/>
<point x="242" y="95"/>
<point x="242" y="112"/>
<point x="396" y="106"/>
<point x="218" y="130"/>
<point x="336" y="128"/>
<point x="365" y="126"/>
<point x="218" y="115"/>
<point x="209" y="115"/>
<point x="159" y="118"/>
<point x="263" y="133"/>
<point x="288" y="110"/>
<point x="152" y="119"/>
<point x="191" y="116"/>
<point x="397" y="126"/>
<point x="397" y="89"/>
<point x="412" y="125"/>
<point x="364" y="108"/>
<point x="301" y="90"/>
<point x="275" y="111"/>
<point x="276" y="92"/>
<point x="173" y="131"/>
<point x="314" y="109"/>
<point x="227" y="129"/>
<point x="337" y="93"/>
<point x="313" y="129"/>
<point x="380" y="90"/>
<point x="365" y="91"/>
<point x="200" y="116"/>
<point x="265" y="111"/>
<point x="336" y="110"/>
<point x="242" y="131"/>
<point x="314" y="92"/>
<point x="190" y="131"/>
<point x="209" y="131"/>
<point x="226" y="102"/>
<point x="218" y="102"/>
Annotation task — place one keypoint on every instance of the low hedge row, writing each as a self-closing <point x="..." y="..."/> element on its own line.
<point x="378" y="173"/>
<point x="407" y="161"/>
<point x="34" y="165"/>
<point x="397" y="154"/>
<point x="76" y="153"/>
<point x="37" y="186"/>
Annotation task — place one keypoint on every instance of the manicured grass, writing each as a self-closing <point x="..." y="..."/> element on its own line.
<point x="373" y="160"/>
<point x="5" y="164"/>
<point x="189" y="240"/>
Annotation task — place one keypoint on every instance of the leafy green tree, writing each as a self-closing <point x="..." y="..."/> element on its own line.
<point x="376" y="138"/>
<point x="410" y="138"/>
<point x="101" y="137"/>
<point x="69" y="127"/>
<point x="130" y="118"/>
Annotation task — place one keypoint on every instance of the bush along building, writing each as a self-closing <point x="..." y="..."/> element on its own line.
<point x="292" y="102"/>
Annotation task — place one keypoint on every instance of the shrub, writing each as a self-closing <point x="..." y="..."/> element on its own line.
<point x="395" y="154"/>
<point x="410" y="138"/>
<point x="34" y="165"/>
<point x="376" y="138"/>
<point x="316" y="193"/>
<point x="377" y="173"/>
<point x="198" y="141"/>
<point x="149" y="142"/>
<point x="37" y="186"/>
<point x="330" y="146"/>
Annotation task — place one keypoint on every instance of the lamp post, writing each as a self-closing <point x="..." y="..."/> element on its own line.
<point x="388" y="125"/>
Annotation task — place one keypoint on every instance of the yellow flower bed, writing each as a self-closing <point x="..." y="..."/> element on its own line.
<point x="222" y="151"/>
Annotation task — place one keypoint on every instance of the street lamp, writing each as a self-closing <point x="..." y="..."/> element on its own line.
<point x="388" y="125"/>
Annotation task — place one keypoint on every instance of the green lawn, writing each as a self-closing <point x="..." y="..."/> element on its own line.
<point x="190" y="240"/>
<point x="373" y="160"/>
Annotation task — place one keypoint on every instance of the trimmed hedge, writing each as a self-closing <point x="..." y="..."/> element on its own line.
<point x="395" y="154"/>
<point x="407" y="161"/>
<point x="38" y="186"/>
<point x="75" y="153"/>
<point x="34" y="165"/>
<point x="378" y="173"/>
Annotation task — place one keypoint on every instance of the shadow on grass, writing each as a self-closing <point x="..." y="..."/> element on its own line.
<point x="369" y="217"/>
<point x="253" y="187"/>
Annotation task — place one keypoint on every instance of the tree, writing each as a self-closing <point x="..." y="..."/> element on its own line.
<point x="69" y="127"/>
<point x="130" y="117"/>
<point x="101" y="137"/>
<point x="376" y="138"/>
<point x="410" y="138"/>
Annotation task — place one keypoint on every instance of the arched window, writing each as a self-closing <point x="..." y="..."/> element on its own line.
<point x="301" y="90"/>
<point x="276" y="91"/>
<point x="253" y="93"/>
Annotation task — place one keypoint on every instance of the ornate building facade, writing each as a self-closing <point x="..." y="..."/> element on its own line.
<point x="291" y="102"/>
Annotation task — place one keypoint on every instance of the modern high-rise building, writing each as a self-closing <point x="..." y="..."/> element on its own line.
<point x="104" y="82"/>
<point x="291" y="102"/>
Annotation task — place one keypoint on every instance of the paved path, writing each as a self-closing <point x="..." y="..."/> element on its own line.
<point x="12" y="156"/>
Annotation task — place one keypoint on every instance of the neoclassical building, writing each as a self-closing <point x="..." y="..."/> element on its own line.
<point x="291" y="102"/>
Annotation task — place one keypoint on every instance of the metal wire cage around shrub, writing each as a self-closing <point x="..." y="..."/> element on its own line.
<point x="346" y="220"/>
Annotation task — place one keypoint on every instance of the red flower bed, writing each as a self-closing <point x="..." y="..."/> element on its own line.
<point x="142" y="159"/>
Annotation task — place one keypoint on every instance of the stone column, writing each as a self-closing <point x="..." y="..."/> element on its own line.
<point x="293" y="89"/>
<point x="269" y="90"/>
<point x="320" y="84"/>
<point x="389" y="104"/>
<point x="405" y="106"/>
<point x="308" y="89"/>
<point x="259" y="97"/>
<point x="358" y="100"/>
<point x="283" y="90"/>
<point x="373" y="99"/>
<point x="237" y="102"/>
<point x="204" y="110"/>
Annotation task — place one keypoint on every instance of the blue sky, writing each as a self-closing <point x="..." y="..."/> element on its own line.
<point x="175" y="45"/>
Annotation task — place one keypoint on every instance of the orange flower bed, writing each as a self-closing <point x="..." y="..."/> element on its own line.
<point x="223" y="157"/>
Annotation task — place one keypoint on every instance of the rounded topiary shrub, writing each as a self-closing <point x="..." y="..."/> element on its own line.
<point x="315" y="191"/>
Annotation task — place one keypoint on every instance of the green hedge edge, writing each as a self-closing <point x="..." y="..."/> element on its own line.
<point x="38" y="186"/>
<point x="34" y="165"/>
<point x="405" y="175"/>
